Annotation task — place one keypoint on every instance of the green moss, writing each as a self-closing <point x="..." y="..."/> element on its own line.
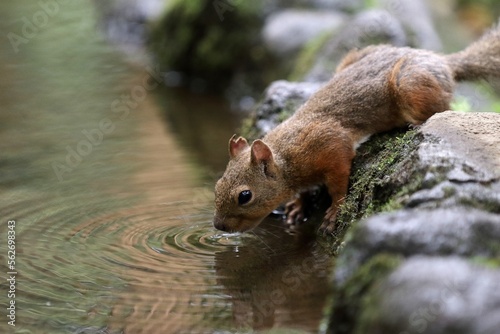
<point x="488" y="205"/>
<point x="287" y="111"/>
<point x="493" y="263"/>
<point x="369" y="191"/>
<point x="484" y="241"/>
<point x="351" y="297"/>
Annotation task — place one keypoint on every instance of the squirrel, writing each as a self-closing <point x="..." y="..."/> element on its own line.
<point x="373" y="90"/>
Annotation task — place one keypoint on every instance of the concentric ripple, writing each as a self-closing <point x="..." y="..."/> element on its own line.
<point x="175" y="263"/>
<point x="154" y="268"/>
<point x="156" y="238"/>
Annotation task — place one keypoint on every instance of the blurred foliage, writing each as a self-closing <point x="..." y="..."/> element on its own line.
<point x="493" y="4"/>
<point x="460" y="103"/>
<point x="353" y="300"/>
<point x="211" y="40"/>
<point x="306" y="58"/>
<point x="487" y="92"/>
<point x="478" y="15"/>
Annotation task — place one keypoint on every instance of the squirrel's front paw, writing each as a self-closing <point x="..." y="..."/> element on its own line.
<point x="295" y="211"/>
<point x="328" y="225"/>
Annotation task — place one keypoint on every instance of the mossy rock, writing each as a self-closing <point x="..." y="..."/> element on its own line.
<point x="442" y="184"/>
<point x="281" y="99"/>
<point x="350" y="297"/>
<point x="370" y="191"/>
<point x="432" y="295"/>
<point x="210" y="41"/>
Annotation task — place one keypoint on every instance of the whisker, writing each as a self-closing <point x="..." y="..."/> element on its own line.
<point x="262" y="240"/>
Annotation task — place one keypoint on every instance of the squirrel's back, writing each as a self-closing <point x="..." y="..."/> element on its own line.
<point x="382" y="87"/>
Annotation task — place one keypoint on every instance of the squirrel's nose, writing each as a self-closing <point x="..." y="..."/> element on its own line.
<point x="219" y="224"/>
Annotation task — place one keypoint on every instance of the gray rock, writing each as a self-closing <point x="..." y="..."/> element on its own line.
<point x="458" y="231"/>
<point x="417" y="21"/>
<point x="281" y="99"/>
<point x="344" y="5"/>
<point x="287" y="31"/>
<point x="369" y="27"/>
<point x="435" y="295"/>
<point x="125" y="21"/>
<point x="465" y="142"/>
<point x="459" y="161"/>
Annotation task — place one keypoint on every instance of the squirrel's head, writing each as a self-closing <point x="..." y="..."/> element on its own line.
<point x="251" y="187"/>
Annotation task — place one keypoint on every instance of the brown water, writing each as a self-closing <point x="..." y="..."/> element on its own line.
<point x="108" y="177"/>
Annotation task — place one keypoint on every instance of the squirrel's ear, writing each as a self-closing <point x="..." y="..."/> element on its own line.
<point x="261" y="152"/>
<point x="236" y="145"/>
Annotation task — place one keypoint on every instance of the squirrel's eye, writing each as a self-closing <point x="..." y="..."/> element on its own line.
<point x="244" y="197"/>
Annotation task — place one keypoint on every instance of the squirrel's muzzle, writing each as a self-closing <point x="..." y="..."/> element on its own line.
<point x="219" y="224"/>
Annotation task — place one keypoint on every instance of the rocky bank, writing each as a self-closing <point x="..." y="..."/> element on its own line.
<point x="431" y="264"/>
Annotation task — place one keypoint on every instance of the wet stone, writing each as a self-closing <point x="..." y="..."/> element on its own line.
<point x="458" y="231"/>
<point x="287" y="31"/>
<point x="281" y="99"/>
<point x="435" y="295"/>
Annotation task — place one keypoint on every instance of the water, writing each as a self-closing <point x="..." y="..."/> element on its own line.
<point x="109" y="179"/>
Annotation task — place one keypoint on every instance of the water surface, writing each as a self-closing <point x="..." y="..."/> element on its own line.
<point x="109" y="178"/>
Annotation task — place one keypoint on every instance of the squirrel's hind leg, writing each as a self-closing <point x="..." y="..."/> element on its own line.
<point x="422" y="86"/>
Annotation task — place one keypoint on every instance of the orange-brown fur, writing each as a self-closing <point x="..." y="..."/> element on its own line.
<point x="374" y="89"/>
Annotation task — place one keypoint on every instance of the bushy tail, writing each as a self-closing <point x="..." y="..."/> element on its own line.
<point x="480" y="60"/>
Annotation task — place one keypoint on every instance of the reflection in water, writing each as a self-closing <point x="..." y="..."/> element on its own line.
<point x="201" y="121"/>
<point x="113" y="230"/>
<point x="279" y="280"/>
<point x="194" y="279"/>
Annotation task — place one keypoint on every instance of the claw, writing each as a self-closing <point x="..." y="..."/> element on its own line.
<point x="295" y="211"/>
<point x="328" y="225"/>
